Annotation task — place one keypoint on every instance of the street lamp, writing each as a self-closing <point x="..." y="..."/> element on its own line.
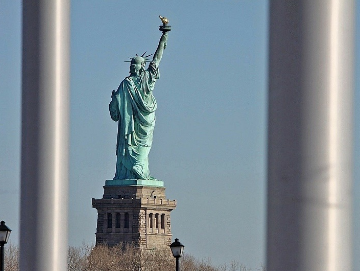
<point x="4" y="237"/>
<point x="177" y="250"/>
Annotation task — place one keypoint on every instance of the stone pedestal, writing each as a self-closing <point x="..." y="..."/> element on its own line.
<point x="134" y="212"/>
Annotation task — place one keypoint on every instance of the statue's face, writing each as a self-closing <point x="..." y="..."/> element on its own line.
<point x="136" y="64"/>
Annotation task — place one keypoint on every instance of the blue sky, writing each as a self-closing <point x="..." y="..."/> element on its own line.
<point x="210" y="137"/>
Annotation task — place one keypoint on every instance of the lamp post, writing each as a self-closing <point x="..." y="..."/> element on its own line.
<point x="177" y="250"/>
<point x="4" y="237"/>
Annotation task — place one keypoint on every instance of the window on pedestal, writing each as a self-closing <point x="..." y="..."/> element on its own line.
<point x="109" y="220"/>
<point x="117" y="220"/>
<point x="126" y="220"/>
<point x="151" y="220"/>
<point x="163" y="221"/>
<point x="156" y="220"/>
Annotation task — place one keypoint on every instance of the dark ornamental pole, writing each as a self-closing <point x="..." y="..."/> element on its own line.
<point x="177" y="250"/>
<point x="4" y="237"/>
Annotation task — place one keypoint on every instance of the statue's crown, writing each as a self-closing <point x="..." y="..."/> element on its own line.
<point x="139" y="59"/>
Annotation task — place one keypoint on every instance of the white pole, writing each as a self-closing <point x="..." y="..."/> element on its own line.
<point x="44" y="153"/>
<point x="311" y="70"/>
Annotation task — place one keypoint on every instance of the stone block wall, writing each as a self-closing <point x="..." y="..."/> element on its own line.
<point x="134" y="214"/>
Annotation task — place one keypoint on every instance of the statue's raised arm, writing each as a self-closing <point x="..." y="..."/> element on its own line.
<point x="165" y="28"/>
<point x="160" y="49"/>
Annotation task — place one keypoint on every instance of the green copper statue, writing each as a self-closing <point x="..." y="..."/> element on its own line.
<point x="133" y="106"/>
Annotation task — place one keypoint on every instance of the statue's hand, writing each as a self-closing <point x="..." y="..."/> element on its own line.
<point x="164" y="37"/>
<point x="114" y="107"/>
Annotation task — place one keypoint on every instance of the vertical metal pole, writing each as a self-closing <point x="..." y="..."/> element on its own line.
<point x="2" y="252"/>
<point x="177" y="263"/>
<point x="310" y="135"/>
<point x="44" y="153"/>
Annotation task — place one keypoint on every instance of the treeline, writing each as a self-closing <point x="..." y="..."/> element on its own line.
<point x="129" y="258"/>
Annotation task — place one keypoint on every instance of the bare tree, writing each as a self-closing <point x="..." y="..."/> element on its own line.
<point x="11" y="258"/>
<point x="126" y="258"/>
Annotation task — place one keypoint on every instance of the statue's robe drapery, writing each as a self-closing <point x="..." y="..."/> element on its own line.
<point x="133" y="106"/>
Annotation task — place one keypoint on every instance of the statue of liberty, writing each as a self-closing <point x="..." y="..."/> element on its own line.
<point x="133" y="106"/>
